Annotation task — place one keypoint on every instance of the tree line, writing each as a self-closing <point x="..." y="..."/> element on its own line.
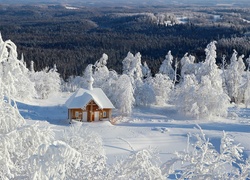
<point x="72" y="39"/>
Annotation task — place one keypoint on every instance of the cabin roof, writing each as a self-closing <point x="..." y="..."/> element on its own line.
<point x="82" y="97"/>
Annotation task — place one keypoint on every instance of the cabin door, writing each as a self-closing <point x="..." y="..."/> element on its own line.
<point x="84" y="116"/>
<point x="96" y="115"/>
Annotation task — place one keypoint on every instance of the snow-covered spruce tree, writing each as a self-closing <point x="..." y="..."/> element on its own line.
<point x="202" y="161"/>
<point x="13" y="73"/>
<point x="139" y="165"/>
<point x="201" y="94"/>
<point x="124" y="95"/>
<point x="92" y="159"/>
<point x="166" y="66"/>
<point x="233" y="76"/>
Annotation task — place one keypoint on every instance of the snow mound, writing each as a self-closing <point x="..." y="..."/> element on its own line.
<point x="160" y="129"/>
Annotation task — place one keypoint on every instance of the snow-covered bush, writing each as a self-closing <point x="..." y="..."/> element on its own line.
<point x="139" y="165"/>
<point x="73" y="83"/>
<point x="202" y="161"/>
<point x="17" y="141"/>
<point x="200" y="100"/>
<point x="92" y="158"/>
<point x="162" y="86"/>
<point x="144" y="95"/>
<point x="52" y="160"/>
<point x="46" y="82"/>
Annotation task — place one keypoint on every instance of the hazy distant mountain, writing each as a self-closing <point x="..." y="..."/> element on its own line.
<point x="128" y="2"/>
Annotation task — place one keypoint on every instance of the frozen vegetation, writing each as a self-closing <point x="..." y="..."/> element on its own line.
<point x="194" y="126"/>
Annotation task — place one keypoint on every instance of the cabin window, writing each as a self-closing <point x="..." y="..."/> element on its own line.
<point x="76" y="114"/>
<point x="104" y="114"/>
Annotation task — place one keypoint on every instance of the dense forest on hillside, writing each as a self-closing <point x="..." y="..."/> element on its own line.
<point x="73" y="37"/>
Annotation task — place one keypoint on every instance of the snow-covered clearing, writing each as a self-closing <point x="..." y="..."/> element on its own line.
<point x="160" y="128"/>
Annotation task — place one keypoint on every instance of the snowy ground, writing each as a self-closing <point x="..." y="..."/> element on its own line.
<point x="160" y="128"/>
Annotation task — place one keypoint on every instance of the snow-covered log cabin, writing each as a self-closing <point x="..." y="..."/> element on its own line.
<point x="90" y="104"/>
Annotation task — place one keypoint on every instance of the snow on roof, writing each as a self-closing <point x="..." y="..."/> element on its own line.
<point x="83" y="96"/>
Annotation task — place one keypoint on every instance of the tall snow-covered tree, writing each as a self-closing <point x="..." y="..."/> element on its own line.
<point x="233" y="77"/>
<point x="132" y="66"/>
<point x="124" y="95"/>
<point x="14" y="73"/>
<point x="246" y="86"/>
<point x="101" y="73"/>
<point x="166" y="66"/>
<point x="201" y="94"/>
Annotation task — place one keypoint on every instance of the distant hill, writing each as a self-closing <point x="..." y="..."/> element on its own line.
<point x="130" y="2"/>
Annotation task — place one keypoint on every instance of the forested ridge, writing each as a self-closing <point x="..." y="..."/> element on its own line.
<point x="73" y="38"/>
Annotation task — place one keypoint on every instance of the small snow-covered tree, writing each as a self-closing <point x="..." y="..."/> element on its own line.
<point x="146" y="71"/>
<point x="139" y="165"/>
<point x="166" y="66"/>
